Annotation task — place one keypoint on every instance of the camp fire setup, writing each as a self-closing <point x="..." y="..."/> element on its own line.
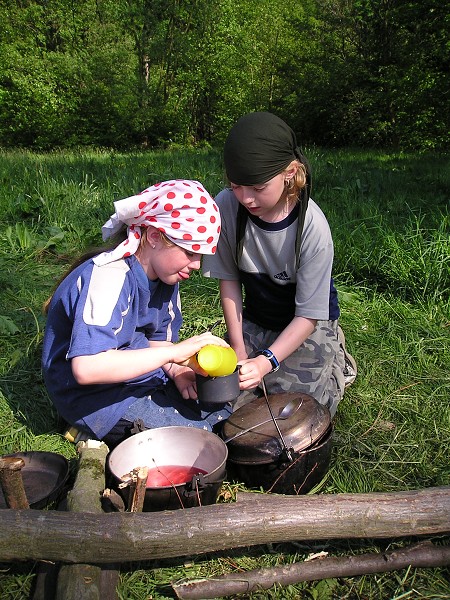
<point x="155" y="496"/>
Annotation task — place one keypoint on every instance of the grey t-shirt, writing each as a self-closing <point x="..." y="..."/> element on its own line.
<point x="275" y="290"/>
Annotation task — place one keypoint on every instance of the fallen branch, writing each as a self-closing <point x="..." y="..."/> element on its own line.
<point x="137" y="503"/>
<point x="124" y="537"/>
<point x="85" y="495"/>
<point x="12" y="483"/>
<point x="136" y="481"/>
<point x="424" y="554"/>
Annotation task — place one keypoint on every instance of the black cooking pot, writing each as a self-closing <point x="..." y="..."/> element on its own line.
<point x="218" y="390"/>
<point x="163" y="450"/>
<point x="258" y="457"/>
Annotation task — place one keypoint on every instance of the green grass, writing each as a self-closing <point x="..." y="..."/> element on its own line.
<point x="390" y="221"/>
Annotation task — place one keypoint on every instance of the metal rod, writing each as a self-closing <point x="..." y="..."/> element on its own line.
<point x="244" y="431"/>
<point x="287" y="450"/>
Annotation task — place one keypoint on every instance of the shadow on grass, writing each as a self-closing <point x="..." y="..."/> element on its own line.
<point x="31" y="412"/>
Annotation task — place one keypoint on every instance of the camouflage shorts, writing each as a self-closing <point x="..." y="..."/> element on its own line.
<point x="316" y="368"/>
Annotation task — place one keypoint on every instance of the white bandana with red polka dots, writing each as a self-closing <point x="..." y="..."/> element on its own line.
<point x="182" y="209"/>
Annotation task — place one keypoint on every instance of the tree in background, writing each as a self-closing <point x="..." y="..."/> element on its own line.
<point x="375" y="74"/>
<point x="123" y="73"/>
<point x="65" y="74"/>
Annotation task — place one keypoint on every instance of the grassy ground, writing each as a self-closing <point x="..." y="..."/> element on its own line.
<point x="390" y="222"/>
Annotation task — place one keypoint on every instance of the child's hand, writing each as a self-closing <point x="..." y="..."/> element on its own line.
<point x="192" y="363"/>
<point x="252" y="371"/>
<point x="184" y="380"/>
<point x="185" y="352"/>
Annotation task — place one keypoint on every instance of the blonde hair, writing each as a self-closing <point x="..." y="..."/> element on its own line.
<point x="163" y="237"/>
<point x="165" y="240"/>
<point x="296" y="183"/>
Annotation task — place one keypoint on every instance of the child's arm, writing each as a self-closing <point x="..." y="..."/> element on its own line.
<point x="293" y="336"/>
<point x="116" y="366"/>
<point x="231" y="300"/>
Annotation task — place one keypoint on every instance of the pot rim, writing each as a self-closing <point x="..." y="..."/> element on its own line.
<point x="318" y="443"/>
<point x="171" y="428"/>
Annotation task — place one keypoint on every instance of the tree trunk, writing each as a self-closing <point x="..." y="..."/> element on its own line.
<point x="118" y="537"/>
<point x="424" y="554"/>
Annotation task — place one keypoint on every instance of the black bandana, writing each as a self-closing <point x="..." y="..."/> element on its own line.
<point x="259" y="146"/>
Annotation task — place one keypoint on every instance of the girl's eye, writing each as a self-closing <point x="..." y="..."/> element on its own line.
<point x="259" y="188"/>
<point x="234" y="186"/>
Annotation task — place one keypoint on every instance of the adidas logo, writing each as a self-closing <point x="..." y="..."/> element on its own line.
<point x="283" y="276"/>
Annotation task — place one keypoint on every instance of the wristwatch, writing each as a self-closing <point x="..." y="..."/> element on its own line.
<point x="271" y="357"/>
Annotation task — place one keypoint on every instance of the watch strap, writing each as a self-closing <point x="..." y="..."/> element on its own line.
<point x="271" y="357"/>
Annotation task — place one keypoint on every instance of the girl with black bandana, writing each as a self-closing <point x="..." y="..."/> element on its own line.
<point x="274" y="260"/>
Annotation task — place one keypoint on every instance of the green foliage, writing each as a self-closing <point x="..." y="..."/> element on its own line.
<point x="151" y="73"/>
<point x="371" y="76"/>
<point x="7" y="326"/>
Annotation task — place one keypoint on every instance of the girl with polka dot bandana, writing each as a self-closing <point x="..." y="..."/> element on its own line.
<point x="181" y="209"/>
<point x="111" y="351"/>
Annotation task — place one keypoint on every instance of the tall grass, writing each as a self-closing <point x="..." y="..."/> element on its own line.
<point x="390" y="221"/>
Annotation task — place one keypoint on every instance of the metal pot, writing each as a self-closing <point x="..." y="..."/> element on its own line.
<point x="258" y="458"/>
<point x="164" y="446"/>
<point x="218" y="390"/>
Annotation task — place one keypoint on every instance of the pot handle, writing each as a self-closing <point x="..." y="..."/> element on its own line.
<point x="198" y="483"/>
<point x="138" y="427"/>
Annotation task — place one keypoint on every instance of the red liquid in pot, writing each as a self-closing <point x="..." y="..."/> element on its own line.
<point x="171" y="475"/>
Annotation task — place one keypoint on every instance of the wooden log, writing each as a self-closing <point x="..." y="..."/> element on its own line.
<point x="112" y="501"/>
<point x="86" y="493"/>
<point x="12" y="483"/>
<point x="138" y="497"/>
<point x="123" y="537"/>
<point x="45" y="581"/>
<point x="424" y="554"/>
<point x="88" y="581"/>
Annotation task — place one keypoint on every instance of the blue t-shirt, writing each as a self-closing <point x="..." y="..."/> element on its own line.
<point x="99" y="308"/>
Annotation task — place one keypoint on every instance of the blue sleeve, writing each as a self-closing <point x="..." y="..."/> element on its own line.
<point x="100" y="304"/>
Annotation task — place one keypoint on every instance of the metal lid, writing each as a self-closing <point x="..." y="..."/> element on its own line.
<point x="301" y="430"/>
